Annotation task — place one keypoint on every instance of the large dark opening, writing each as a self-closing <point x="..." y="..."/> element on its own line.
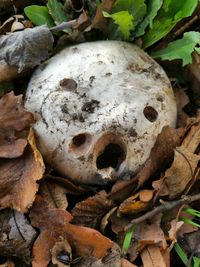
<point x="112" y="156"/>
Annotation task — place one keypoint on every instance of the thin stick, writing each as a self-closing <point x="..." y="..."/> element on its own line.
<point x="63" y="26"/>
<point x="164" y="207"/>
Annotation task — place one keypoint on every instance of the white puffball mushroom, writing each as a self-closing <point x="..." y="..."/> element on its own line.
<point x="99" y="107"/>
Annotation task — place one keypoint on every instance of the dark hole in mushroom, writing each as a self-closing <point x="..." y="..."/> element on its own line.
<point x="79" y="140"/>
<point x="150" y="113"/>
<point x="112" y="156"/>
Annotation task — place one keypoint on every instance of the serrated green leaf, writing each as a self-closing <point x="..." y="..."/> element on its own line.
<point x="180" y="49"/>
<point x="152" y="9"/>
<point x="39" y="15"/>
<point x="124" y="20"/>
<point x="168" y="16"/>
<point x="137" y="8"/>
<point x="57" y="11"/>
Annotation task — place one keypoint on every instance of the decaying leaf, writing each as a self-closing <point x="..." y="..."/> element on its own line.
<point x="53" y="223"/>
<point x="125" y="263"/>
<point x="33" y="47"/>
<point x="13" y="116"/>
<point x="90" y="211"/>
<point x="54" y="194"/>
<point x="152" y="257"/>
<point x="133" y="205"/>
<point x="16" y="235"/>
<point x="8" y="263"/>
<point x="190" y="243"/>
<point x="183" y="168"/>
<point x="99" y="21"/>
<point x="152" y="234"/>
<point x="181" y="172"/>
<point x="161" y="154"/>
<point x="18" y="178"/>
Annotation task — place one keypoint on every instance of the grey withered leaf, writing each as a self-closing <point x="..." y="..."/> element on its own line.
<point x="26" y="49"/>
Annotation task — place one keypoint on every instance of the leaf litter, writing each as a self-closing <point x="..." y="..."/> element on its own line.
<point x="71" y="225"/>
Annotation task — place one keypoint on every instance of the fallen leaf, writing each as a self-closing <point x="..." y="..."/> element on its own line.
<point x="13" y="116"/>
<point x="99" y="21"/>
<point x="190" y="243"/>
<point x="181" y="172"/>
<point x="161" y="154"/>
<point x="183" y="168"/>
<point x="33" y="45"/>
<point x="152" y="234"/>
<point x="13" y="149"/>
<point x="152" y="257"/>
<point x="54" y="223"/>
<point x="18" y="178"/>
<point x="125" y="263"/>
<point x="146" y="195"/>
<point x="90" y="211"/>
<point x="16" y="235"/>
<point x="132" y="206"/>
<point x="54" y="194"/>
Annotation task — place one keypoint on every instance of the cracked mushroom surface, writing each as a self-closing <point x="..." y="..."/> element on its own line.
<point x="99" y="107"/>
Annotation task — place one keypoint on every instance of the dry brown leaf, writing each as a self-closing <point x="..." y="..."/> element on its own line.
<point x="152" y="257"/>
<point x="90" y="211"/>
<point x="16" y="235"/>
<point x="161" y="154"/>
<point x="133" y="205"/>
<point x="53" y="223"/>
<point x="13" y="149"/>
<point x="54" y="194"/>
<point x="125" y="263"/>
<point x="181" y="172"/>
<point x="99" y="21"/>
<point x="18" y="178"/>
<point x="152" y="234"/>
<point x="146" y="195"/>
<point x="13" y="116"/>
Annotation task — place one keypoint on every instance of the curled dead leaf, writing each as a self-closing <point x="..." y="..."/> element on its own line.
<point x="56" y="222"/>
<point x="18" y="178"/>
<point x="90" y="211"/>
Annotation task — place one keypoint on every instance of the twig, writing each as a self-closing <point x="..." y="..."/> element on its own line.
<point x="164" y="207"/>
<point x="63" y="26"/>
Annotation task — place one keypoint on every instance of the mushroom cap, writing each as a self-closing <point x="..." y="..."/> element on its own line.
<point x="99" y="107"/>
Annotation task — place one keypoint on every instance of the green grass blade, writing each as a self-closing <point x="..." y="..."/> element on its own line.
<point x="192" y="212"/>
<point x="181" y="253"/>
<point x="127" y="239"/>
<point x="188" y="221"/>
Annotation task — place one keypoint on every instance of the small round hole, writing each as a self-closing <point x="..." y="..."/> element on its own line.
<point x="79" y="140"/>
<point x="150" y="113"/>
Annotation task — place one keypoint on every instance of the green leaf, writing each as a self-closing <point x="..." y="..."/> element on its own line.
<point x="196" y="261"/>
<point x="39" y="15"/>
<point x="171" y="12"/>
<point x="57" y="11"/>
<point x="137" y="8"/>
<point x="180" y="49"/>
<point x="127" y="239"/>
<point x="124" y="20"/>
<point x="181" y="253"/>
<point x="152" y="9"/>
